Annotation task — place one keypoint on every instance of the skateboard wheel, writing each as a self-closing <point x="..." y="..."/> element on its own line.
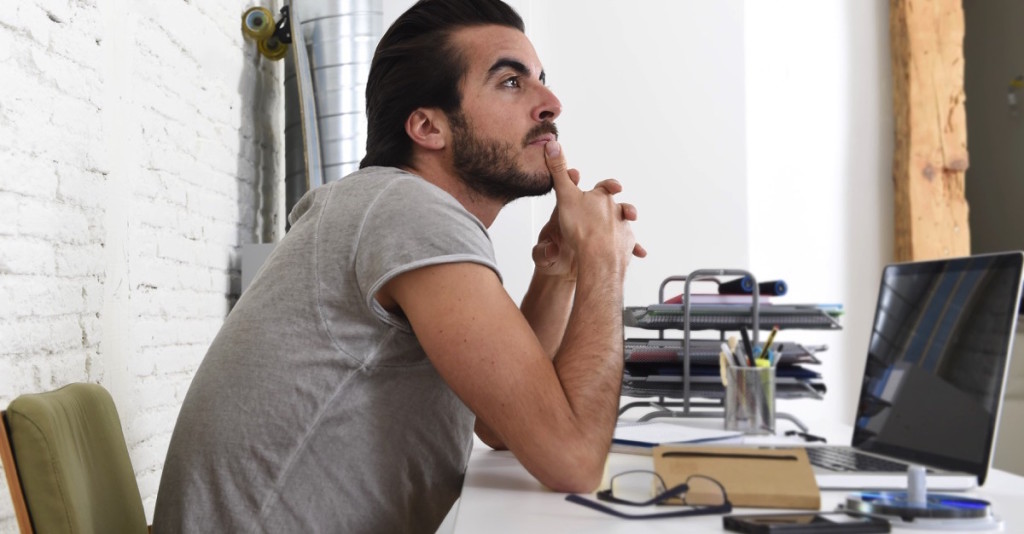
<point x="258" y="23"/>
<point x="272" y="48"/>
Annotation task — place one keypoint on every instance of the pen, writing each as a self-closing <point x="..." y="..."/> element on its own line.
<point x="777" y="354"/>
<point x="806" y="436"/>
<point x="733" y="355"/>
<point x="746" y="346"/>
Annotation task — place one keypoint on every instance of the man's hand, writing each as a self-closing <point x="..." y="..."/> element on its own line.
<point x="550" y="256"/>
<point x="543" y="382"/>
<point x="583" y="221"/>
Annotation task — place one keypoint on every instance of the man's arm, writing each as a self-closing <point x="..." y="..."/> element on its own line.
<point x="548" y="299"/>
<point x="556" y="416"/>
<point x="546" y="307"/>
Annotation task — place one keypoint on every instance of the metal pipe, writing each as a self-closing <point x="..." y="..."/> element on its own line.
<point x="339" y="37"/>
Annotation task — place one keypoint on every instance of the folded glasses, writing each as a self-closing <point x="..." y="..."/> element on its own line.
<point x="703" y="495"/>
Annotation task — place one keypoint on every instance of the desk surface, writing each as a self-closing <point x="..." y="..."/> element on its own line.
<point x="499" y="495"/>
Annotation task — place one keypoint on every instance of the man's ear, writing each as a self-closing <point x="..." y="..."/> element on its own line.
<point x="427" y="127"/>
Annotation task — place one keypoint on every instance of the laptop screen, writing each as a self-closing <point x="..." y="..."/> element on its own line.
<point x="937" y="360"/>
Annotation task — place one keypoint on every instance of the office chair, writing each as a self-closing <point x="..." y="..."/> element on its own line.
<point x="67" y="463"/>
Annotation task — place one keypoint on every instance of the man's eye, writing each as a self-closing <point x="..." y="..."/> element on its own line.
<point x="511" y="82"/>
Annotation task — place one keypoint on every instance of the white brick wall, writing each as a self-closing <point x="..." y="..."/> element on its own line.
<point x="135" y="138"/>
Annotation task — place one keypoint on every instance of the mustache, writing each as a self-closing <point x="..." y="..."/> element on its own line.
<point x="546" y="127"/>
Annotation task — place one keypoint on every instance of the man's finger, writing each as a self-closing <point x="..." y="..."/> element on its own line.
<point x="574" y="175"/>
<point x="611" y="185"/>
<point x="554" y="156"/>
<point x="629" y="212"/>
<point x="542" y="253"/>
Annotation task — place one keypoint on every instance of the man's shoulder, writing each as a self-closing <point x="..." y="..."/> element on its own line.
<point x="372" y="179"/>
<point x="391" y="182"/>
<point x="384" y="174"/>
<point x="390" y="190"/>
<point x="364" y="187"/>
<point x="396" y="179"/>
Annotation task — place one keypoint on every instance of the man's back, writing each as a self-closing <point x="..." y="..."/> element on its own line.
<point x="316" y="410"/>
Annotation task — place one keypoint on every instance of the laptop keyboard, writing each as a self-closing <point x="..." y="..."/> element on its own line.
<point x="844" y="459"/>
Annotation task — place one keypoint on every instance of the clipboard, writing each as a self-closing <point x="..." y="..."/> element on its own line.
<point x="755" y="478"/>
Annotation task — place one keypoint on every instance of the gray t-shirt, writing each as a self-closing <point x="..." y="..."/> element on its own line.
<point x="315" y="410"/>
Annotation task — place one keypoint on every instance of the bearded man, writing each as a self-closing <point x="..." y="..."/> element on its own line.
<point x="343" y="389"/>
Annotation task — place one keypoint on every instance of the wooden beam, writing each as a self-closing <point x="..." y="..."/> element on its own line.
<point x="930" y="152"/>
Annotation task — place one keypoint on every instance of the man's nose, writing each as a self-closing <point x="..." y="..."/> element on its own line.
<point x="549" y="107"/>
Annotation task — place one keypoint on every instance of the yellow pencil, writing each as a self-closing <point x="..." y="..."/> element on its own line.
<point x="768" y="342"/>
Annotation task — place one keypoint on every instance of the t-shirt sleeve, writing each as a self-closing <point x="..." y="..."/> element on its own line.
<point x="414" y="224"/>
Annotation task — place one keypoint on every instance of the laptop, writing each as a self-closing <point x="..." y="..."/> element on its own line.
<point x="933" y="383"/>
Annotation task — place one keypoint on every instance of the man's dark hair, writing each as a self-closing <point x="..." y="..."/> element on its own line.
<point x="417" y="65"/>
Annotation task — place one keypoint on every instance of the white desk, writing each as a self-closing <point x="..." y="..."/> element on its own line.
<point x="499" y="495"/>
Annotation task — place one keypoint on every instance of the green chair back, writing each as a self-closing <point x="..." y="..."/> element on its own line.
<point x="73" y="462"/>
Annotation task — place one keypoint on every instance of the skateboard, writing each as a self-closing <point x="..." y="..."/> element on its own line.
<point x="272" y="40"/>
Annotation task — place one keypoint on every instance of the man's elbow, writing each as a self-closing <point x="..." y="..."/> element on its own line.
<point x="489" y="437"/>
<point x="576" y="473"/>
<point x="492" y="442"/>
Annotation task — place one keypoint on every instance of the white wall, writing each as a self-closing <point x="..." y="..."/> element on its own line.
<point x="134" y="139"/>
<point x="652" y="95"/>
<point x="819" y="141"/>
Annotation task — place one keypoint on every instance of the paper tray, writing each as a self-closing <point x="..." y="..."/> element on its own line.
<point x="705" y="351"/>
<point x="728" y="317"/>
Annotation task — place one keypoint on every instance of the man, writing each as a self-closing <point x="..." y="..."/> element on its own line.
<point x="340" y="394"/>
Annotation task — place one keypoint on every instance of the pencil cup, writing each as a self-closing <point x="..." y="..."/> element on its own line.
<point x="750" y="399"/>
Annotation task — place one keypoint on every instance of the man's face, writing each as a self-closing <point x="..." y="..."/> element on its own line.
<point x="507" y="115"/>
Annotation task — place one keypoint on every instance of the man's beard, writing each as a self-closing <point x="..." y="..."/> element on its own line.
<point x="489" y="168"/>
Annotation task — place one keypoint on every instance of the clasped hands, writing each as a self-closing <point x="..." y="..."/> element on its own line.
<point x="588" y="222"/>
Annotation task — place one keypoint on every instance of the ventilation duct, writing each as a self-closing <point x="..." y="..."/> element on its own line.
<point x="339" y="37"/>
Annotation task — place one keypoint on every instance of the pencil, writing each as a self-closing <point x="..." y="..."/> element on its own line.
<point x="768" y="342"/>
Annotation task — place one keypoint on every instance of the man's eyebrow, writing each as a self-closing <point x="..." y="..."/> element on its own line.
<point x="515" y="65"/>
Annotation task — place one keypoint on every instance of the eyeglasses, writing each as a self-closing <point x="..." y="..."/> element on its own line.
<point x="704" y="495"/>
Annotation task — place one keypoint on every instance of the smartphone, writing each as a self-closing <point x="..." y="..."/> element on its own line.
<point x="805" y="523"/>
